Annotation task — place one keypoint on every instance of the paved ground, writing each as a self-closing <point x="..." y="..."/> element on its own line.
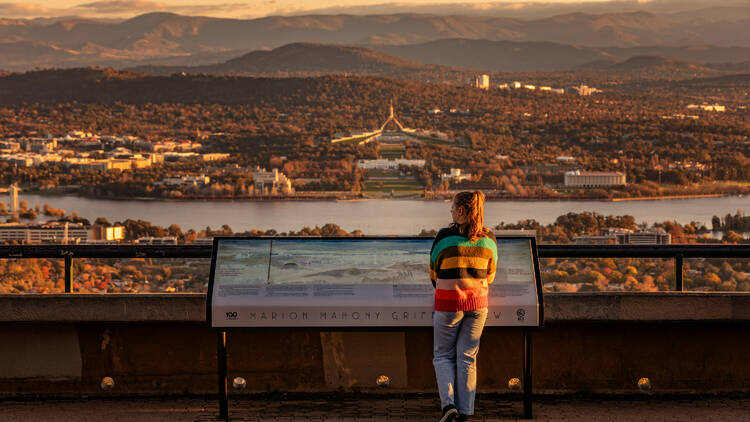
<point x="372" y="409"/>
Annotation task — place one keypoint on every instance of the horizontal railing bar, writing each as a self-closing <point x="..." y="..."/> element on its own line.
<point x="545" y="251"/>
<point x="109" y="251"/>
<point x="643" y="251"/>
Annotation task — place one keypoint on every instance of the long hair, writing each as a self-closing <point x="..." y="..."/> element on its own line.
<point x="473" y="205"/>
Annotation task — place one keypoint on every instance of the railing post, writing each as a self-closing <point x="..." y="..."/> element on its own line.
<point x="527" y="382"/>
<point x="678" y="273"/>
<point x="221" y="357"/>
<point x="68" y="273"/>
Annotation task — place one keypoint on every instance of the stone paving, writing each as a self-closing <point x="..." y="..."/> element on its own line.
<point x="374" y="409"/>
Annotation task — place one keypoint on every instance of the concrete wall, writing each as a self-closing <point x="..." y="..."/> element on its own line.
<point x="159" y="344"/>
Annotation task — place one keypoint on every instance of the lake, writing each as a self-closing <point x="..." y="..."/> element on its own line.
<point x="375" y="217"/>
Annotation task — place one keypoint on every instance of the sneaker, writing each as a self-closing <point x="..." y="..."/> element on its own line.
<point x="462" y="418"/>
<point x="449" y="413"/>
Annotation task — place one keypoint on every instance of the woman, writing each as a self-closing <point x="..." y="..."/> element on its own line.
<point x="463" y="261"/>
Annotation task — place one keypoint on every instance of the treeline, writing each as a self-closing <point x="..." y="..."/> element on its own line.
<point x="737" y="222"/>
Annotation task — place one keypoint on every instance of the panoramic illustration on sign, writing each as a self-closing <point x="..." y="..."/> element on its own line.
<point x="350" y="282"/>
<point x="350" y="262"/>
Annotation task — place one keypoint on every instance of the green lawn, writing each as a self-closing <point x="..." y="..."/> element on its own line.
<point x="382" y="183"/>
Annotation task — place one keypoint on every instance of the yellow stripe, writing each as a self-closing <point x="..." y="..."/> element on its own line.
<point x="433" y="275"/>
<point x="464" y="262"/>
<point x="460" y="283"/>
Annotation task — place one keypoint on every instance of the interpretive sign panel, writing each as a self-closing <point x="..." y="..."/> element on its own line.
<point x="343" y="282"/>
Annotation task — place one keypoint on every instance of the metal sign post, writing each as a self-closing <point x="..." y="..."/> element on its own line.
<point x="221" y="358"/>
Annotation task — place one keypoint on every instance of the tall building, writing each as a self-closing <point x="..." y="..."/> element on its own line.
<point x="482" y="81"/>
<point x="13" y="194"/>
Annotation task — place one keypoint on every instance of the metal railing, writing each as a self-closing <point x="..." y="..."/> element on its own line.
<point x="676" y="252"/>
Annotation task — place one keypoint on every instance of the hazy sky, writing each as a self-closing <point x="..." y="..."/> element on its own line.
<point x="218" y="8"/>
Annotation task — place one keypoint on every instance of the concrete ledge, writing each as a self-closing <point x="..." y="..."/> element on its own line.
<point x="103" y="308"/>
<point x="559" y="307"/>
<point x="160" y="344"/>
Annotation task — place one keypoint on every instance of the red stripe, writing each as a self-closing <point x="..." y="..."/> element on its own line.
<point x="460" y="293"/>
<point x="468" y="304"/>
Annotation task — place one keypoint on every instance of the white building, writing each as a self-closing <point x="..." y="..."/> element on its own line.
<point x="199" y="180"/>
<point x="582" y="90"/>
<point x="385" y="164"/>
<point x="565" y="159"/>
<point x="167" y="240"/>
<point x="593" y="179"/>
<point x="455" y="176"/>
<point x="271" y="179"/>
<point x="707" y="107"/>
<point x="44" y="233"/>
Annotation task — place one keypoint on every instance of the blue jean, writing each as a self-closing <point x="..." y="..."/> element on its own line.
<point x="455" y="347"/>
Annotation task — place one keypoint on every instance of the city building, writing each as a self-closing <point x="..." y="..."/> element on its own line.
<point x="644" y="238"/>
<point x="707" y="107"/>
<point x="482" y="81"/>
<point x="44" y="233"/>
<point x="8" y="147"/>
<point x="156" y="241"/>
<point x="385" y="164"/>
<point x="582" y="90"/>
<point x="565" y="159"/>
<point x="271" y="180"/>
<point x="397" y="134"/>
<point x="203" y="241"/>
<point x="619" y="236"/>
<point x="109" y="234"/>
<point x="199" y="180"/>
<point x="593" y="179"/>
<point x="455" y="176"/>
<point x="604" y="239"/>
<point x="177" y="156"/>
<point x="119" y="164"/>
<point x="215" y="156"/>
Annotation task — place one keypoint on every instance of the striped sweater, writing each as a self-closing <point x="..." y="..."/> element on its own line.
<point x="461" y="270"/>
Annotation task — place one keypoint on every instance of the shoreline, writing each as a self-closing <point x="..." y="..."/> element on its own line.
<point x="652" y="198"/>
<point x="339" y="197"/>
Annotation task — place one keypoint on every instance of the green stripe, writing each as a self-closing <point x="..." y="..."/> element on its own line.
<point x="468" y="251"/>
<point x="450" y="241"/>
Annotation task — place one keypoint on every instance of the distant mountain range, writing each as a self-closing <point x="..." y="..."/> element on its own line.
<point x="306" y="59"/>
<point x="510" y="56"/>
<point x="170" y="39"/>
